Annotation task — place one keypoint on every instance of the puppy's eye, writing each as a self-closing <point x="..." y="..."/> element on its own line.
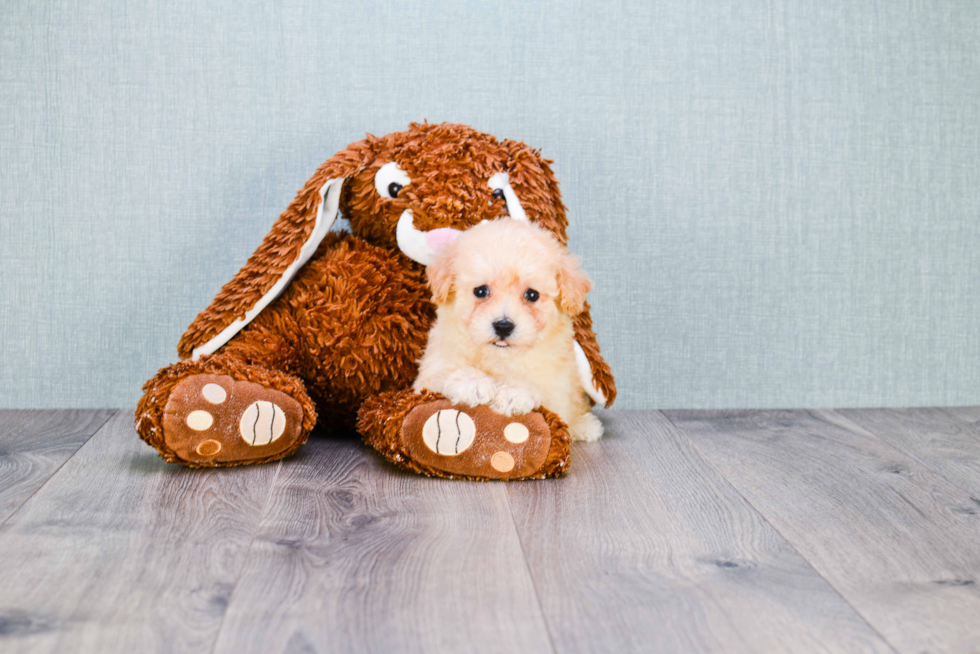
<point x="481" y="291"/>
<point x="531" y="295"/>
<point x="390" y="180"/>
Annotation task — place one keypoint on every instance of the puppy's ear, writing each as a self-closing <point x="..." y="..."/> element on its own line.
<point x="293" y="239"/>
<point x="440" y="274"/>
<point x="573" y="285"/>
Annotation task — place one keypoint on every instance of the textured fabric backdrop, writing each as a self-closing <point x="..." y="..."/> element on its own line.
<point x="778" y="201"/>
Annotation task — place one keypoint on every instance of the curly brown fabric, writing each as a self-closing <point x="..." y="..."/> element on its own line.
<point x="602" y="375"/>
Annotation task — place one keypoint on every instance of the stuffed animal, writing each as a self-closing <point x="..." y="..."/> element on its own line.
<point x="329" y="326"/>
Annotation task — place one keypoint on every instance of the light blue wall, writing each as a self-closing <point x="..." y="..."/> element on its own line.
<point x="779" y="202"/>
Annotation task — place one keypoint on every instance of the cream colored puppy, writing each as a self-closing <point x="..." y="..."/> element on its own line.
<point x="506" y="292"/>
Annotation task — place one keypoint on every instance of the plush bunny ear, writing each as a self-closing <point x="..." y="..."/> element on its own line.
<point x="293" y="239"/>
<point x="534" y="183"/>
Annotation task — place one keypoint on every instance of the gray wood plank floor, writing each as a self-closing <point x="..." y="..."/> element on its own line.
<point x="882" y="528"/>
<point x="645" y="534"/>
<point x="684" y="531"/>
<point x="34" y="444"/>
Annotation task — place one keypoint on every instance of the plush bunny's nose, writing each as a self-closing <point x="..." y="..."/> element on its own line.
<point x="503" y="327"/>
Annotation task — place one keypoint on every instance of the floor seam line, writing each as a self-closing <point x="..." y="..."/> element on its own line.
<point x="248" y="552"/>
<point x="901" y="450"/>
<point x="37" y="490"/>
<point x="790" y="543"/>
<point x="527" y="566"/>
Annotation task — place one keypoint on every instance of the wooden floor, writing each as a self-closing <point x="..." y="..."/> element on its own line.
<point x="720" y="531"/>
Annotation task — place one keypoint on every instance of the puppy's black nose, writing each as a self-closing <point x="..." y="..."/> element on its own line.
<point x="503" y="327"/>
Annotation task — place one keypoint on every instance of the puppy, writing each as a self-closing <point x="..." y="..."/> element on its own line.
<point x="506" y="292"/>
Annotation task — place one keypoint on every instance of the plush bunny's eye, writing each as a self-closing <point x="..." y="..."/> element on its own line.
<point x="390" y="179"/>
<point x="499" y="183"/>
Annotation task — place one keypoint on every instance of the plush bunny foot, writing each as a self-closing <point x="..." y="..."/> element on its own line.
<point x="214" y="420"/>
<point x="427" y="433"/>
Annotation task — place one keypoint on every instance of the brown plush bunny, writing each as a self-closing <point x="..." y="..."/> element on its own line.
<point x="336" y="323"/>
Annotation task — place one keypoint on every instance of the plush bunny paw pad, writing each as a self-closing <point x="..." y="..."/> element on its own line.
<point x="214" y="419"/>
<point x="476" y="441"/>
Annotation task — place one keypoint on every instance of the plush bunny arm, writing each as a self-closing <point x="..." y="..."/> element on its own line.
<point x="598" y="373"/>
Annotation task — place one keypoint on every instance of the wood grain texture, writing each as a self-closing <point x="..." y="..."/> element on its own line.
<point x="774" y="531"/>
<point x="946" y="440"/>
<point x="120" y="552"/>
<point x="890" y="534"/>
<point x="644" y="547"/>
<point x="34" y="444"/>
<point x="356" y="556"/>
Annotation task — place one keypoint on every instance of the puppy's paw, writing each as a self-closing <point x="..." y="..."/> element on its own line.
<point x="469" y="387"/>
<point x="586" y="428"/>
<point x="511" y="400"/>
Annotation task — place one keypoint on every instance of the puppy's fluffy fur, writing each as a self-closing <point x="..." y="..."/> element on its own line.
<point x="528" y="279"/>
